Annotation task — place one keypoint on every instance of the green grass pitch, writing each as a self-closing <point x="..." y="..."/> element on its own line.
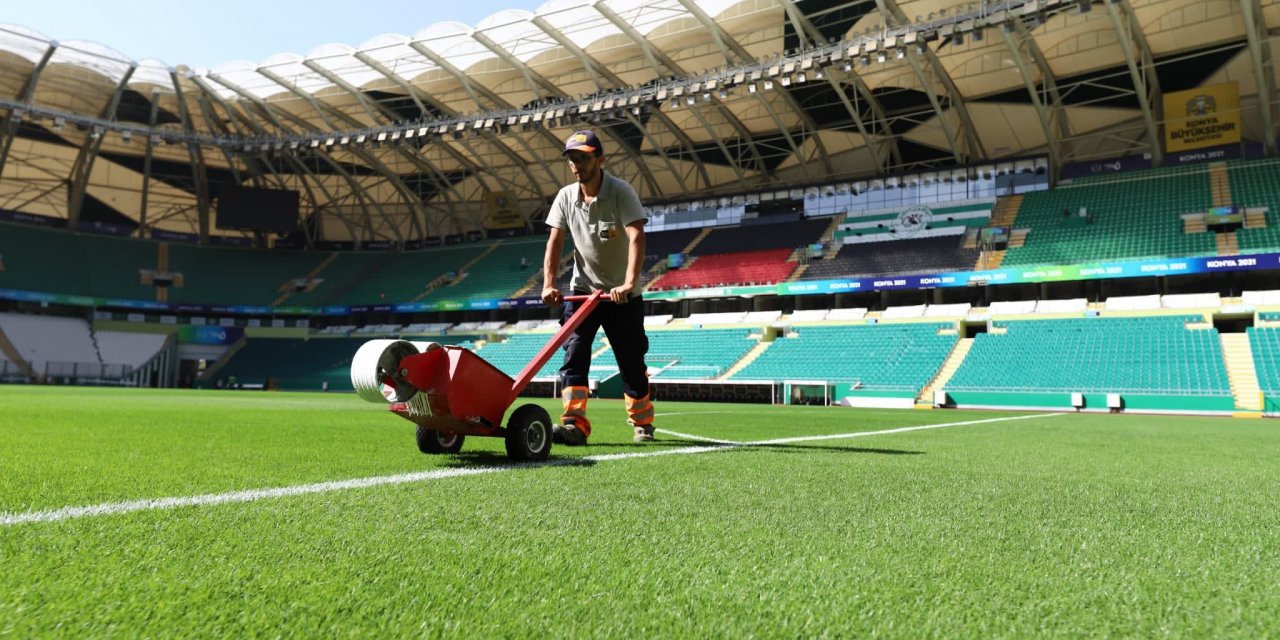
<point x="1067" y="525"/>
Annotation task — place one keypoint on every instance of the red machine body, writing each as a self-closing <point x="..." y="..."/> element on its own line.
<point x="467" y="395"/>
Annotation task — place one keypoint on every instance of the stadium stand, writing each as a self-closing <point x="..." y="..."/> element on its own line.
<point x="430" y="328"/>
<point x="766" y="266"/>
<point x="340" y="280"/>
<point x="919" y="255"/>
<point x="127" y="348"/>
<point x="1265" y="344"/>
<point x="1257" y="184"/>
<point x="477" y="327"/>
<point x="884" y="357"/>
<point x="55" y="261"/>
<point x="1071" y="305"/>
<point x="761" y="317"/>
<point x="380" y="329"/>
<point x="906" y="311"/>
<point x="809" y="315"/>
<point x="1011" y="307"/>
<point x="1154" y="355"/>
<point x="1132" y="303"/>
<point x="1131" y="215"/>
<point x="398" y="277"/>
<point x="291" y="364"/>
<point x="727" y="317"/>
<point x="950" y="220"/>
<point x="658" y="246"/>
<point x="1191" y="301"/>
<point x="497" y="274"/>
<point x="700" y="354"/>
<point x="762" y="237"/>
<point x="1261" y="298"/>
<point x="221" y="275"/>
<point x="518" y="350"/>
<point x="847" y="314"/>
<point x="958" y="310"/>
<point x="535" y="325"/>
<point x="46" y="340"/>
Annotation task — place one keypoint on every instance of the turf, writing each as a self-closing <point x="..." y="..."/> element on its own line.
<point x="1066" y="525"/>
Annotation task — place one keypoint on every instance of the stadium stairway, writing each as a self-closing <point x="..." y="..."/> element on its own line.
<point x="533" y="286"/>
<point x="1242" y="374"/>
<point x="1006" y="212"/>
<point x="287" y="287"/>
<point x="746" y="359"/>
<point x="1004" y="215"/>
<point x="949" y="367"/>
<point x="989" y="260"/>
<point x="210" y="373"/>
<point x="800" y="257"/>
<point x="162" y="264"/>
<point x="437" y="284"/>
<point x="693" y="244"/>
<point x="1219" y="184"/>
<point x="1228" y="244"/>
<point x="831" y="247"/>
<point x="11" y="353"/>
<point x="1255" y="219"/>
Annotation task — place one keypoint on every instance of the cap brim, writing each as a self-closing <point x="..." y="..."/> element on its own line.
<point x="586" y="148"/>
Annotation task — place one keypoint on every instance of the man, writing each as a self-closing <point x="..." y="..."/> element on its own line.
<point x="603" y="216"/>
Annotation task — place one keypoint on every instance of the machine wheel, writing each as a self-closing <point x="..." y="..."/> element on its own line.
<point x="529" y="434"/>
<point x="434" y="441"/>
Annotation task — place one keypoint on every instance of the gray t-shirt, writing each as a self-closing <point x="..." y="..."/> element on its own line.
<point x="599" y="238"/>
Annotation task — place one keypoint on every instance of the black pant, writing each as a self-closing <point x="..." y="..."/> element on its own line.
<point x="624" y="327"/>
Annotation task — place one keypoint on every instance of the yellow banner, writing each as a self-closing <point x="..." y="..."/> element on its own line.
<point x="503" y="213"/>
<point x="1203" y="117"/>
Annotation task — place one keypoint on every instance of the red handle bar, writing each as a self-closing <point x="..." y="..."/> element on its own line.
<point x="588" y="305"/>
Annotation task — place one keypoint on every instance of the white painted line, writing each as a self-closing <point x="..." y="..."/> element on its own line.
<point x="841" y="436"/>
<point x="689" y="436"/>
<point x="253" y="495"/>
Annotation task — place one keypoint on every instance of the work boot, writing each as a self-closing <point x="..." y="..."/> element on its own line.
<point x="644" y="434"/>
<point x="568" y="434"/>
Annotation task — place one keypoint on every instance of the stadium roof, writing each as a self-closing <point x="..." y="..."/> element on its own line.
<point x="406" y="136"/>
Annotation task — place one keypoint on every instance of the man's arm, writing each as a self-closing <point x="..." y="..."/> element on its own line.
<point x="635" y="259"/>
<point x="550" y="265"/>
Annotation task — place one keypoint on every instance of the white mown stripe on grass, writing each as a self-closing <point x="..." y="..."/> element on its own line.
<point x="253" y="495"/>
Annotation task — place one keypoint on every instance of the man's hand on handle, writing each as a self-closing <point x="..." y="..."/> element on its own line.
<point x="551" y="296"/>
<point x="622" y="294"/>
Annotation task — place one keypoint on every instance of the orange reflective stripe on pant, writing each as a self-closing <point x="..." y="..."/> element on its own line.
<point x="574" y="400"/>
<point x="639" y="411"/>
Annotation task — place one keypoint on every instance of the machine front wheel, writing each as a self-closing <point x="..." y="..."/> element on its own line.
<point x="434" y="441"/>
<point x="529" y="434"/>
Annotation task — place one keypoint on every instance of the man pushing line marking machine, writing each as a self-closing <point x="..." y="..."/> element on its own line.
<point x="451" y="393"/>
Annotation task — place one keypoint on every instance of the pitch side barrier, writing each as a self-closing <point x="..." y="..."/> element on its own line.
<point x="1022" y="275"/>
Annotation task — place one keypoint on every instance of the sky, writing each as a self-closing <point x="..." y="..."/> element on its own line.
<point x="207" y="33"/>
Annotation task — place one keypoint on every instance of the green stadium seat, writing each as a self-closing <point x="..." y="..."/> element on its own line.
<point x="891" y="357"/>
<point x="1156" y="355"/>
<point x="1133" y="215"/>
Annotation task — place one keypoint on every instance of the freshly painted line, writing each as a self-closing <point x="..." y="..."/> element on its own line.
<point x="253" y="495"/>
<point x="841" y="436"/>
<point x="689" y="436"/>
